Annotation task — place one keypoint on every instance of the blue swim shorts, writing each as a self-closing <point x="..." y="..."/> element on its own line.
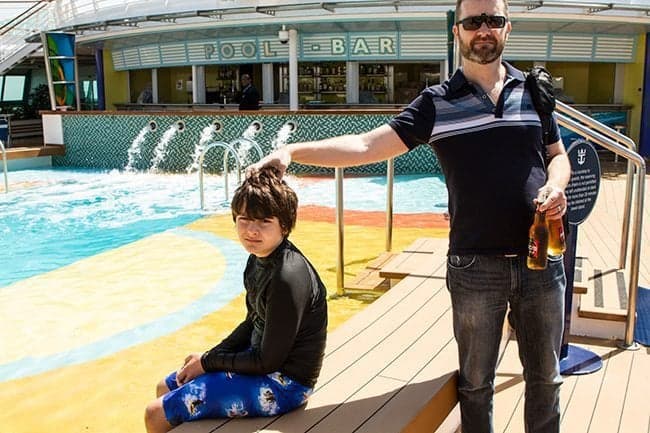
<point x="231" y="395"/>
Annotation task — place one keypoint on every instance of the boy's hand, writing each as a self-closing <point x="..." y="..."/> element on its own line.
<point x="190" y="369"/>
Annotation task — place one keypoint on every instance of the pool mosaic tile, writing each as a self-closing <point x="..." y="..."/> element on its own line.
<point x="103" y="140"/>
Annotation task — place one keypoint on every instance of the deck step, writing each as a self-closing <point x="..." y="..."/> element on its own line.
<point x="369" y="279"/>
<point x="606" y="295"/>
<point x="583" y="270"/>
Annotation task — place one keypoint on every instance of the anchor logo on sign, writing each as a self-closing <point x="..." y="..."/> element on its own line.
<point x="582" y="156"/>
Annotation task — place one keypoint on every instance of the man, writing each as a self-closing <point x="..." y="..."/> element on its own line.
<point x="488" y="139"/>
<point x="250" y="97"/>
<point x="146" y="96"/>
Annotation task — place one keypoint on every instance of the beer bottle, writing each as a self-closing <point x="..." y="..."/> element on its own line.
<point x="538" y="242"/>
<point x="556" y="239"/>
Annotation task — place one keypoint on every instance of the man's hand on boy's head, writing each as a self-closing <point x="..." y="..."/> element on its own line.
<point x="280" y="159"/>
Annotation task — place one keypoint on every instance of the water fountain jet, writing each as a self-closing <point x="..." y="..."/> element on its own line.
<point x="136" y="145"/>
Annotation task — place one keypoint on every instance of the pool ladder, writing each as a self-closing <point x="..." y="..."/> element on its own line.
<point x="4" y="165"/>
<point x="229" y="148"/>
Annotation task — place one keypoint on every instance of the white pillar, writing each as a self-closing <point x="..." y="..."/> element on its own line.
<point x="444" y="70"/>
<point x="293" y="70"/>
<point x="154" y="85"/>
<point x="198" y="84"/>
<point x="619" y="83"/>
<point x="267" y="83"/>
<point x="352" y="82"/>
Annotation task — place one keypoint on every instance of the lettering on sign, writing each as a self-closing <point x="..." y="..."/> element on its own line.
<point x="338" y="46"/>
<point x="584" y="185"/>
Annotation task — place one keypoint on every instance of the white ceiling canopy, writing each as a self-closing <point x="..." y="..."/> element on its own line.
<point x="10" y="9"/>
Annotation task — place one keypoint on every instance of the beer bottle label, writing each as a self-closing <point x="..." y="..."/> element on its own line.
<point x="533" y="248"/>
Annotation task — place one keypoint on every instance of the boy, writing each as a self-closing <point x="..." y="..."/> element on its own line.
<point x="269" y="364"/>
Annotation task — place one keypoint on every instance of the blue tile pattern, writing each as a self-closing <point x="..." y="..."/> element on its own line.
<point x="103" y="140"/>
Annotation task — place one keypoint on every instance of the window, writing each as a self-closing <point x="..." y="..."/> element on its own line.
<point x="89" y="94"/>
<point x="13" y="88"/>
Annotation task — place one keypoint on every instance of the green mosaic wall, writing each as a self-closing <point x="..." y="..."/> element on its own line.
<point x="103" y="141"/>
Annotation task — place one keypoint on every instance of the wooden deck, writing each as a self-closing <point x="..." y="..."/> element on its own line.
<point x="22" y="152"/>
<point x="599" y="241"/>
<point x="391" y="368"/>
<point x="613" y="399"/>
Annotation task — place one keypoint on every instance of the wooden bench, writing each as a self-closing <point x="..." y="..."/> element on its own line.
<point x="424" y="257"/>
<point x="368" y="280"/>
<point x="21" y="131"/>
<point x="382" y="271"/>
<point x="390" y="368"/>
<point x="428" y="245"/>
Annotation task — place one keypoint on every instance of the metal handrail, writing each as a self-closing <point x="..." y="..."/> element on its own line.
<point x="390" y="180"/>
<point x="227" y="151"/>
<point x="340" y="262"/>
<point x="4" y="165"/>
<point x="611" y="133"/>
<point x="608" y="143"/>
<point x="338" y="181"/>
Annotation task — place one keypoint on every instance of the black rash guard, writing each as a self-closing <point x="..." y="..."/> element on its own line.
<point x="286" y="321"/>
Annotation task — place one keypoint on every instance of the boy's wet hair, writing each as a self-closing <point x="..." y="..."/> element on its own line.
<point x="264" y="195"/>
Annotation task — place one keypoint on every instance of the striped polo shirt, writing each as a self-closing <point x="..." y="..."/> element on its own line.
<point x="491" y="155"/>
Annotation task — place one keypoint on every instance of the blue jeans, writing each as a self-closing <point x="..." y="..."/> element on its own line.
<point x="481" y="288"/>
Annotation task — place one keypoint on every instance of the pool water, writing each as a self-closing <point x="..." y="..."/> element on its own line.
<point x="60" y="215"/>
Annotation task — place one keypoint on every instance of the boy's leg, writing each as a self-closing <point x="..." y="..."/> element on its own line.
<point x="154" y="418"/>
<point x="162" y="388"/>
<point x="230" y="395"/>
<point x="154" y="415"/>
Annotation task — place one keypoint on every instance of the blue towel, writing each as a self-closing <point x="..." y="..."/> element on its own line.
<point x="642" y="328"/>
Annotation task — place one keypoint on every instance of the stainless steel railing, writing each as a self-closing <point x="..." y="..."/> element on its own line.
<point x="4" y="165"/>
<point x="610" y="139"/>
<point x="228" y="150"/>
<point x="630" y="144"/>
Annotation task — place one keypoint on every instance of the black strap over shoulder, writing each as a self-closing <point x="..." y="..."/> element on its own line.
<point x="539" y="82"/>
<point x="540" y="85"/>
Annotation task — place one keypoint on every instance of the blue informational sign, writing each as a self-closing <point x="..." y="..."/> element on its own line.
<point x="583" y="188"/>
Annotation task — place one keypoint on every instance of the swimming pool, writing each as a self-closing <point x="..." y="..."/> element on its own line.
<point x="58" y="216"/>
<point x="100" y="261"/>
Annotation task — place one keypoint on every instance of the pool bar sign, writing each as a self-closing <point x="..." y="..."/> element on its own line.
<point x="584" y="185"/>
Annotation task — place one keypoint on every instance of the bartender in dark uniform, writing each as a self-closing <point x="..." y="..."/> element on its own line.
<point x="250" y="97"/>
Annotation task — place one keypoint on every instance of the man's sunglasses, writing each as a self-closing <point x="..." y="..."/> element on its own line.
<point x="475" y="22"/>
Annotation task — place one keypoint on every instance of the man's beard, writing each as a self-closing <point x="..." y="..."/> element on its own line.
<point x="484" y="54"/>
